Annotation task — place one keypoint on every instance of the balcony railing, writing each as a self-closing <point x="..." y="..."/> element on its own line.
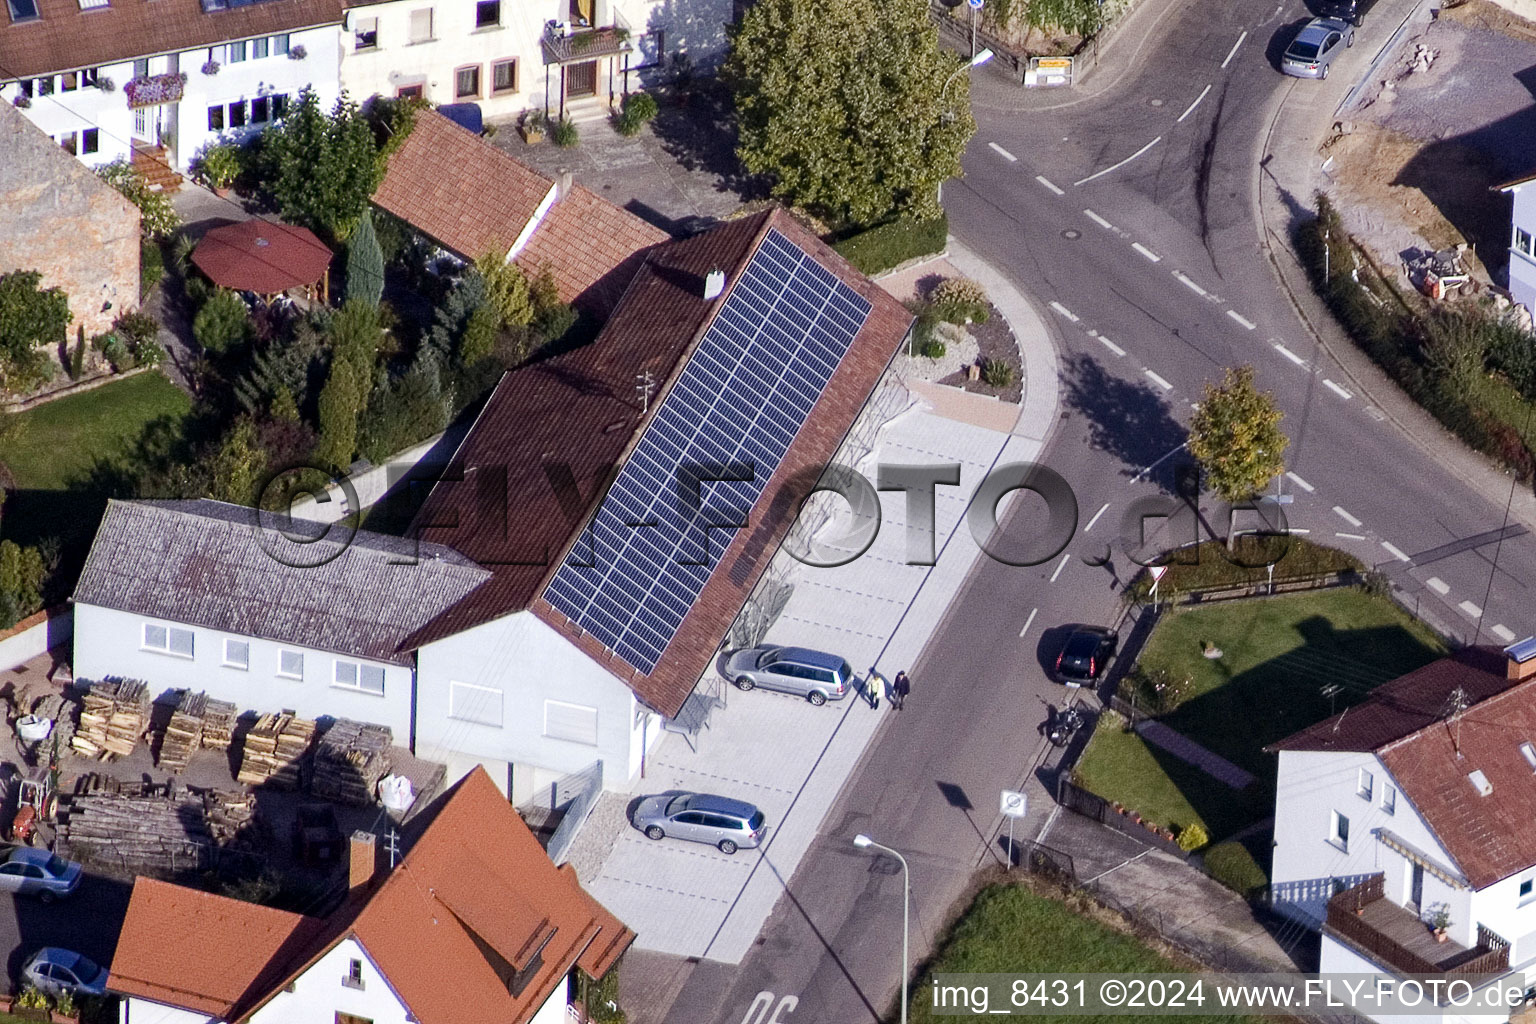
<point x="1392" y="935"/>
<point x="562" y="46"/>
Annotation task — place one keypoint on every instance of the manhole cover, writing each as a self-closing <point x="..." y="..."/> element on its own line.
<point x="1156" y="103"/>
<point x="1070" y="234"/>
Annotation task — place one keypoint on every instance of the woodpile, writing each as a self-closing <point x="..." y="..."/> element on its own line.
<point x="219" y="724"/>
<point x="188" y="730"/>
<point x="351" y="759"/>
<point x="138" y="834"/>
<point x="113" y="716"/>
<point x="274" y="751"/>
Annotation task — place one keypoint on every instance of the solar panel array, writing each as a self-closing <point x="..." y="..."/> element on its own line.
<point x="742" y="397"/>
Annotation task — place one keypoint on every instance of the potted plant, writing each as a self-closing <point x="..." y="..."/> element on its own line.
<point x="32" y="1004"/>
<point x="531" y="126"/>
<point x="1440" y="920"/>
<point x="105" y="84"/>
<point x="218" y="167"/>
<point x="298" y="52"/>
<point x="210" y="67"/>
<point x="23" y="101"/>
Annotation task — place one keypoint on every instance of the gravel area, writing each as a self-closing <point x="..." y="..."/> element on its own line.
<point x="961" y="350"/>
<point x="609" y="818"/>
<point x="994" y="340"/>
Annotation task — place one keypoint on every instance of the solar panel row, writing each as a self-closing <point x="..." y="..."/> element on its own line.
<point x="742" y="397"/>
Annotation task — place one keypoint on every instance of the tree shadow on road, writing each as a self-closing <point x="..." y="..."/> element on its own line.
<point x="1128" y="419"/>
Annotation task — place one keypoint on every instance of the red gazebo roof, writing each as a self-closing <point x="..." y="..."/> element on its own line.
<point x="261" y="256"/>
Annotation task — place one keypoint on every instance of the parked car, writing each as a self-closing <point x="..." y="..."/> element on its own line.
<point x="1313" y="50"/>
<point x="1352" y="11"/>
<point x="806" y="673"/>
<point x="36" y="872"/>
<point x="56" y="971"/>
<point x="717" y="820"/>
<point x="1086" y="652"/>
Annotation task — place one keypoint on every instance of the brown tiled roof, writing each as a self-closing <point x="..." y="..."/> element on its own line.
<point x="454" y="186"/>
<point x="592" y="247"/>
<point x="581" y="408"/>
<point x="261" y="256"/>
<point x="1432" y="753"/>
<point x="475" y="898"/>
<point x="203" y="952"/>
<point x="67" y="37"/>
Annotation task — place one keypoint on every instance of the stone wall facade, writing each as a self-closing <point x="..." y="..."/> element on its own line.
<point x="58" y="218"/>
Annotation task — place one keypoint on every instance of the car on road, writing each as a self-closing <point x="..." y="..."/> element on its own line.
<point x="1313" y="50"/>
<point x="1086" y="652"/>
<point x="1352" y="11"/>
<point x="816" y="676"/>
<point x="57" y="971"/>
<point x="35" y="872"/>
<point x="717" y="820"/>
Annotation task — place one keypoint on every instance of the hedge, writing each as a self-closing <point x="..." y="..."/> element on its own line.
<point x="894" y="242"/>
<point x="1234" y="866"/>
<point x="1210" y="565"/>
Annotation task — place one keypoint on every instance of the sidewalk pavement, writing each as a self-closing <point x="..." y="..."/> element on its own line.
<point x="792" y="759"/>
<point x="1290" y="173"/>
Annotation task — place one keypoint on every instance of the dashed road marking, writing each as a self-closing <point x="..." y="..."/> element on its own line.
<point x="1100" y="221"/>
<point x="1060" y="566"/>
<point x="1189" y="283"/>
<point x="1235" y="315"/>
<point x="1472" y="610"/>
<point x="1297" y="529"/>
<point x="1438" y="585"/>
<point x="1095" y="518"/>
<point x="1003" y="153"/>
<point x="1292" y="356"/>
<point x="1064" y="311"/>
<point x="1122" y="163"/>
<point x="1503" y="633"/>
<point x="1148" y="253"/>
<point x="1029" y="621"/>
<point x="1042" y="179"/>
<point x="1191" y="108"/>
<point x="1351" y="520"/>
<point x="1331" y="386"/>
<point x="1160" y="382"/>
<point x="1299" y="482"/>
<point x="1116" y="349"/>
<point x="1350" y="536"/>
<point x="1395" y="551"/>
<point x="1233" y="52"/>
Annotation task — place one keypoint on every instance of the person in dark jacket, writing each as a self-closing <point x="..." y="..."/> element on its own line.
<point x="900" y="687"/>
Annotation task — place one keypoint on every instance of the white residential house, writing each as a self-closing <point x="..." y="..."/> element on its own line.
<point x="115" y="79"/>
<point x="1414" y="808"/>
<point x="474" y="924"/>
<point x="1522" y="240"/>
<point x="561" y="56"/>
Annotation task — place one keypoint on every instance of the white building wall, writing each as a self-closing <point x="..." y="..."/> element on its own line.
<point x="146" y="1011"/>
<point x="555" y="1007"/>
<point x="519" y="664"/>
<point x="695" y="27"/>
<point x="1510" y="915"/>
<point x="72" y="113"/>
<point x="1522" y="264"/>
<point x="110" y="643"/>
<point x="320" y="994"/>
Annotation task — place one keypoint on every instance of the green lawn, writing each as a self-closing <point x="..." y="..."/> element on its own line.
<point x="1277" y="655"/>
<point x="1012" y="929"/>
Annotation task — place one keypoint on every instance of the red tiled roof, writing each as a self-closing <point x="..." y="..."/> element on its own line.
<point x="1431" y="754"/>
<point x="262" y="256"/>
<point x="454" y="186"/>
<point x="581" y="409"/>
<point x="592" y="247"/>
<point x="66" y="37"/>
<point x="474" y="898"/>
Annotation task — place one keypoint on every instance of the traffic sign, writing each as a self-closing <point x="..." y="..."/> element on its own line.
<point x="1015" y="805"/>
<point x="975" y="4"/>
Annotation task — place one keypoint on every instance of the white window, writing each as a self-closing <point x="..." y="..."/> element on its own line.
<point x="280" y="45"/>
<point x="1389" y="798"/>
<point x="1364" y="785"/>
<point x="237" y="52"/>
<point x="350" y="675"/>
<point x="470" y="702"/>
<point x="1338" y="832"/>
<point x="168" y="640"/>
<point x="365" y="34"/>
<point x="258" y="48"/>
<point x="290" y="664"/>
<point x="237" y="654"/>
<point x="1523" y="241"/>
<point x="574" y="722"/>
<point x="421" y="25"/>
<point x="354" y="978"/>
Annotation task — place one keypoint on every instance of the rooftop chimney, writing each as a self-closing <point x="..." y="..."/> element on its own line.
<point x="1522" y="659"/>
<point x="363" y="858"/>
<point x="714" y="284"/>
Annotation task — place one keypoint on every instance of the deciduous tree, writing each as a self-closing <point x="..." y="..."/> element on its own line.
<point x="322" y="169"/>
<point x="1236" y="436"/>
<point x="30" y="316"/>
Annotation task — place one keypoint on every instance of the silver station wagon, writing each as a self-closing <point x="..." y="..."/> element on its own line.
<point x="816" y="676"/>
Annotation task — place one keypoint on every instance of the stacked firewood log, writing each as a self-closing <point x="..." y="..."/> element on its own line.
<point x="114" y="714"/>
<point x="351" y="759"/>
<point x="274" y="751"/>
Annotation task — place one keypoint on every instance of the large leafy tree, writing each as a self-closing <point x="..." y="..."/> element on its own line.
<point x="844" y="107"/>
<point x="322" y="169"/>
<point x="1236" y="436"/>
<point x="30" y="316"/>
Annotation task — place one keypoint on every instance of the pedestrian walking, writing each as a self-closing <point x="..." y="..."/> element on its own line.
<point x="900" y="687"/>
<point x="873" y="684"/>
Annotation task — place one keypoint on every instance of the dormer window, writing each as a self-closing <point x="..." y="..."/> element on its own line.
<point x="23" y="10"/>
<point x="1480" y="782"/>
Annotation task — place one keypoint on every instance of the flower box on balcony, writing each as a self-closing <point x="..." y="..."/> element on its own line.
<point x="151" y="90"/>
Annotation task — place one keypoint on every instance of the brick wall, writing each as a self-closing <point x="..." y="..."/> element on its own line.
<point x="58" y="218"/>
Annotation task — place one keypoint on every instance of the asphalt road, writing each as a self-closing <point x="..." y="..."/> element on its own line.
<point x="1132" y="219"/>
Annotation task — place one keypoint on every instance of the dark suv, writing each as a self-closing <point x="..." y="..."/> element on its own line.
<point x="1352" y="11"/>
<point x="1086" y="652"/>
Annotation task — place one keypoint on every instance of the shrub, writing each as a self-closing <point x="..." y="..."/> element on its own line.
<point x="151" y="267"/>
<point x="1211" y="564"/>
<point x="31" y="998"/>
<point x="219" y="165"/>
<point x="1192" y="837"/>
<point x="506" y="291"/>
<point x="563" y="132"/>
<point x="998" y="373"/>
<point x="1233" y="865"/>
<point x="932" y="348"/>
<point x="403" y="413"/>
<point x="638" y="108"/>
<point x="65" y="1004"/>
<point x="223" y="323"/>
<point x="959" y="300"/>
<point x="157" y="217"/>
<point x="894" y="242"/>
<point x="77" y="357"/>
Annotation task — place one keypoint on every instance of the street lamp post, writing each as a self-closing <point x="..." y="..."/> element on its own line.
<point x="863" y="841"/>
<point x="980" y="58"/>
